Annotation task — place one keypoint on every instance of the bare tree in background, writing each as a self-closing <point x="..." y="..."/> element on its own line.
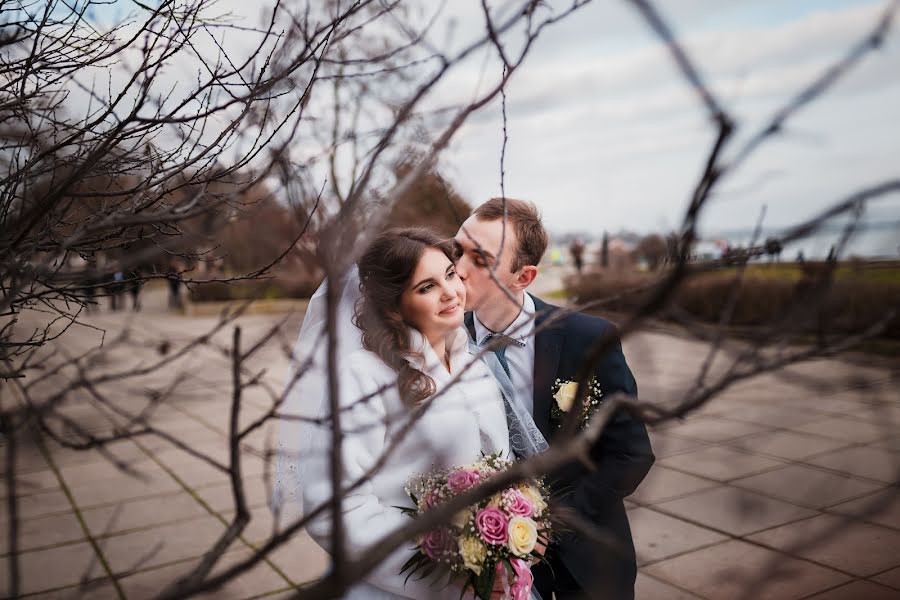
<point x="652" y="250"/>
<point x="132" y="144"/>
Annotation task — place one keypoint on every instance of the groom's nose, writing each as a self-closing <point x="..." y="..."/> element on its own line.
<point x="462" y="268"/>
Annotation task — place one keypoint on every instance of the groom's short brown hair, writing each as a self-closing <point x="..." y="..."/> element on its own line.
<point x="525" y="219"/>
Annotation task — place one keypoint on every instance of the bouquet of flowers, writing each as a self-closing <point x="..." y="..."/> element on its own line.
<point x="495" y="538"/>
<point x="564" y="393"/>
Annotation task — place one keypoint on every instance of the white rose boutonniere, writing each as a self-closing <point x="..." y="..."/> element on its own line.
<point x="564" y="394"/>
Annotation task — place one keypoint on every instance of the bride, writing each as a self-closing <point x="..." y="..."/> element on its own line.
<point x="401" y="342"/>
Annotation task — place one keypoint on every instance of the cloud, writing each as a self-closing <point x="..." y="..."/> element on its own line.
<point x="621" y="125"/>
<point x="604" y="133"/>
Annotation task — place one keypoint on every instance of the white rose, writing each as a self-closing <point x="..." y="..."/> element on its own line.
<point x="522" y="536"/>
<point x="565" y="395"/>
<point x="533" y="495"/>
<point x="473" y="553"/>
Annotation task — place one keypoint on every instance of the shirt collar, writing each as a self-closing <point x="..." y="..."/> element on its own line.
<point x="519" y="330"/>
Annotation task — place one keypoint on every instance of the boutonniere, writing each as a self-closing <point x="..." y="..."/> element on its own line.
<point x="564" y="393"/>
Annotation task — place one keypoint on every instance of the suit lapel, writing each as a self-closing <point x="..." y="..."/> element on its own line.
<point x="547" y="349"/>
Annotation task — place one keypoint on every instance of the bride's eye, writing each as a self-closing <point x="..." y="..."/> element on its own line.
<point x="451" y="274"/>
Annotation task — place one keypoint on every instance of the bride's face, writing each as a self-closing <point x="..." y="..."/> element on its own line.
<point x="435" y="298"/>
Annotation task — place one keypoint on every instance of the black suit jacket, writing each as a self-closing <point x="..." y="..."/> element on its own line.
<point x="622" y="456"/>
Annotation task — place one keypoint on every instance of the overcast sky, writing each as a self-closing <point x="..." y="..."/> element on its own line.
<point x="605" y="135"/>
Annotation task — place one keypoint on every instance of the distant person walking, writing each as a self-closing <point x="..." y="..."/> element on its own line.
<point x="90" y="282"/>
<point x="135" y="284"/>
<point x="174" y="278"/>
<point x="114" y="288"/>
<point x="576" y="249"/>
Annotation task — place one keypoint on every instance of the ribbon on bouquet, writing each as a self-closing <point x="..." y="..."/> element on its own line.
<point x="522" y="586"/>
<point x="525" y="439"/>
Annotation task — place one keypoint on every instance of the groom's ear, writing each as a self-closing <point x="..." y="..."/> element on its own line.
<point x="526" y="276"/>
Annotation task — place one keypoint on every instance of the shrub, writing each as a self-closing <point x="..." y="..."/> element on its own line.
<point x="850" y="305"/>
<point x="618" y="290"/>
<point x="263" y="289"/>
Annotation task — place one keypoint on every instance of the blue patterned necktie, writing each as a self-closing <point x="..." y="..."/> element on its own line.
<point x="501" y="351"/>
<point x="516" y="427"/>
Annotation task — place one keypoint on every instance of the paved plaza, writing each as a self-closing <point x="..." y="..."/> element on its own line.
<point x="790" y="477"/>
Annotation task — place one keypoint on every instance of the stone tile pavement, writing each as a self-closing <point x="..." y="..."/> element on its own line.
<point x="778" y="480"/>
<point x="775" y="490"/>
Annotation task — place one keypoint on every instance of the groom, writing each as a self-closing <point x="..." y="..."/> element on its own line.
<point x="535" y="358"/>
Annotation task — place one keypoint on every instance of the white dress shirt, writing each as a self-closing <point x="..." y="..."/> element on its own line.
<point x="520" y="355"/>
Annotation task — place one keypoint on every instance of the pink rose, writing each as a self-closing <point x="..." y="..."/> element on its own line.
<point x="492" y="525"/>
<point x="462" y="480"/>
<point x="517" y="504"/>
<point x="438" y="544"/>
<point x="432" y="499"/>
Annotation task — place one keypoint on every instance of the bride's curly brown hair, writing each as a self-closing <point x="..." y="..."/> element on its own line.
<point x="385" y="270"/>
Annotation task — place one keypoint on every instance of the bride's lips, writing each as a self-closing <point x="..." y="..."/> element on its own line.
<point x="450" y="310"/>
